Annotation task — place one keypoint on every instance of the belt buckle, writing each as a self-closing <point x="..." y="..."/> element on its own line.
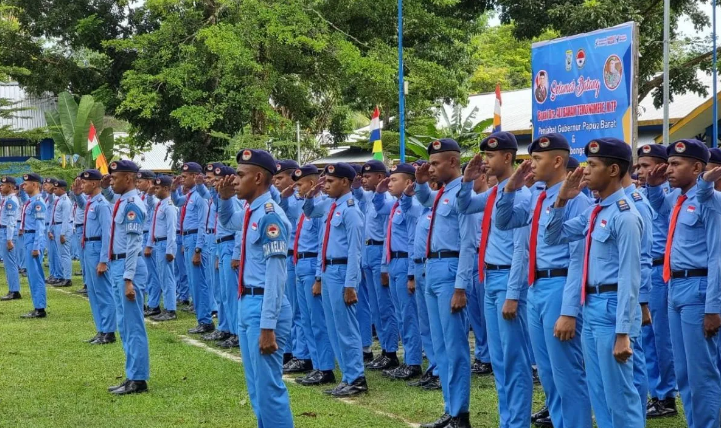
<point x="595" y="289"/>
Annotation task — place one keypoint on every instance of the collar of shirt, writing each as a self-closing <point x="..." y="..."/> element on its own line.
<point x="130" y="194"/>
<point x="165" y="201"/>
<point x="454" y="184"/>
<point x="615" y="196"/>
<point x="343" y="198"/>
<point x="690" y="194"/>
<point x="97" y="198"/>
<point x="552" y="191"/>
<point x="260" y="200"/>
<point x="630" y="189"/>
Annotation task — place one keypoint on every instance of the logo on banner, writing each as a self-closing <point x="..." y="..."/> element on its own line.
<point x="580" y="58"/>
<point x="569" y="60"/>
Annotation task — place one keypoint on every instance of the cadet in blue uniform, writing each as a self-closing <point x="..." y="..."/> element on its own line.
<point x="145" y="185"/>
<point x="612" y="230"/>
<point x="292" y="205"/>
<point x="128" y="275"/>
<point x="656" y="336"/>
<point x="181" y="275"/>
<point x="307" y="270"/>
<point x="501" y="262"/>
<point x="340" y="272"/>
<point x="32" y="226"/>
<point x="449" y="266"/>
<point x="691" y="265"/>
<point x="161" y="241"/>
<point x="554" y="277"/>
<point x="49" y="199"/>
<point x="78" y="226"/>
<point x="95" y="248"/>
<point x="23" y="197"/>
<point x="264" y="313"/>
<point x="60" y="234"/>
<point x="191" y="207"/>
<point x="401" y="271"/>
<point x="9" y="215"/>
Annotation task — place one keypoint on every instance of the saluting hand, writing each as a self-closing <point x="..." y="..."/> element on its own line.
<point x="315" y="190"/>
<point x="410" y="189"/>
<point x="199" y="179"/>
<point x="713" y="175"/>
<point x="382" y="187"/>
<point x="287" y="192"/>
<point x="226" y="186"/>
<point x="657" y="175"/>
<point x="267" y="342"/>
<point x="423" y="173"/>
<point x="357" y="181"/>
<point x="105" y="181"/>
<point x="572" y="186"/>
<point x="474" y="169"/>
<point x="350" y="296"/>
<point x="622" y="349"/>
<point x="518" y="177"/>
<point x="458" y="301"/>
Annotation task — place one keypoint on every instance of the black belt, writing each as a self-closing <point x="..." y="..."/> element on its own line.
<point x="252" y="291"/>
<point x="94" y="238"/>
<point x="373" y="242"/>
<point x="3" y="227"/>
<point x="225" y="239"/>
<point x="290" y="253"/>
<point x="497" y="267"/>
<point x="603" y="288"/>
<point x="78" y="227"/>
<point x="331" y="262"/>
<point x="421" y="260"/>
<point x="658" y="262"/>
<point x="551" y="273"/>
<point x="160" y="238"/>
<point x="56" y="223"/>
<point x="444" y="255"/>
<point x="208" y="231"/>
<point x="189" y="232"/>
<point x="399" y="255"/>
<point x="690" y="273"/>
<point x="118" y="256"/>
<point x="306" y="255"/>
<point x="28" y="231"/>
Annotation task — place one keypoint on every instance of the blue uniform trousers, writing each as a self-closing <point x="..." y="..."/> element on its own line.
<point x="510" y="356"/>
<point x="214" y="277"/>
<point x="367" y="309"/>
<point x="75" y="242"/>
<point x="208" y="265"/>
<point x="657" y="341"/>
<point x="312" y="317"/>
<point x="450" y="335"/>
<point x="342" y="323"/>
<point x="423" y="323"/>
<point x="695" y="356"/>
<point x="100" y="289"/>
<point x="298" y="345"/>
<point x="476" y="297"/>
<point x="614" y="397"/>
<point x="406" y="311"/>
<point x="78" y="236"/>
<point x="153" y="285"/>
<point x="264" y="373"/>
<point x="228" y="287"/>
<point x="166" y="276"/>
<point x="560" y="364"/>
<point x="64" y="260"/>
<point x="181" y="275"/>
<point x="640" y="379"/>
<point x="53" y="261"/>
<point x="20" y="252"/>
<point x="11" y="261"/>
<point x="387" y="328"/>
<point x="36" y="276"/>
<point x="131" y="324"/>
<point x="199" y="287"/>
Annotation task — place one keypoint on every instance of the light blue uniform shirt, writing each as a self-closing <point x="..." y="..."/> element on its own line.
<point x="62" y="215"/>
<point x="266" y="249"/>
<point x="99" y="221"/>
<point x="644" y="208"/>
<point x="510" y="215"/>
<point x="615" y="254"/>
<point x="403" y="228"/>
<point x="293" y="207"/>
<point x="421" y="234"/>
<point x="49" y="199"/>
<point x="128" y="230"/>
<point x="11" y="212"/>
<point x="162" y="225"/>
<point x="194" y="204"/>
<point x="375" y="223"/>
<point x="34" y="217"/>
<point x="504" y="247"/>
<point x="205" y="228"/>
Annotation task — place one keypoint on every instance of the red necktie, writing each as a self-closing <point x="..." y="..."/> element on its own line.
<point x="433" y="219"/>
<point x="22" y="222"/>
<point x="182" y="210"/>
<point x="52" y="219"/>
<point x="297" y="238"/>
<point x="485" y="231"/>
<point x="85" y="222"/>
<point x="112" y="229"/>
<point x="155" y="218"/>
<point x="326" y="235"/>
<point x="669" y="241"/>
<point x="587" y="253"/>
<point x="534" y="239"/>
<point x="246" y="220"/>
<point x="388" y="234"/>
<point x="215" y="229"/>
<point x="207" y="217"/>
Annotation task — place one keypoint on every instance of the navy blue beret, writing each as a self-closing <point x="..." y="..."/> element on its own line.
<point x="714" y="155"/>
<point x="404" y="168"/>
<point x="224" y="171"/>
<point x="212" y="166"/>
<point x="608" y="148"/>
<point x="163" y="180"/>
<point x="146" y="174"/>
<point x="572" y="163"/>
<point x="549" y="142"/>
<point x="285" y="165"/>
<point x="375" y="166"/>
<point x="358" y="168"/>
<point x="61" y="183"/>
<point x="53" y="181"/>
<point x="9" y="180"/>
<point x="33" y="177"/>
<point x="123" y="166"/>
<point x="652" y="151"/>
<point x="418" y="162"/>
<point x="192" y="167"/>
<point x="47" y="180"/>
<point x="91" y="174"/>
<point x="691" y="148"/>
<point x="256" y="157"/>
<point x="340" y="170"/>
<point x="304" y="171"/>
<point x="499" y="141"/>
<point x="444" y="145"/>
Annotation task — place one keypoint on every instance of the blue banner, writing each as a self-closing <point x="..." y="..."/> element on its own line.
<point x="583" y="86"/>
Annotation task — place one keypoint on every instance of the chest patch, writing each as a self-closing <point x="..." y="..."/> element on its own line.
<point x="603" y="223"/>
<point x="691" y="209"/>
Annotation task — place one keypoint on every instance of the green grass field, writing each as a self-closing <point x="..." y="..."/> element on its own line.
<point x="50" y="378"/>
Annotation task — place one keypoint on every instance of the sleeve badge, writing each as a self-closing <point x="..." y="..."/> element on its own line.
<point x="273" y="231"/>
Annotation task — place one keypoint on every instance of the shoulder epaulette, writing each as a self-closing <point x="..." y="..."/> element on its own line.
<point x="622" y="205"/>
<point x="637" y="196"/>
<point x="351" y="202"/>
<point x="269" y="208"/>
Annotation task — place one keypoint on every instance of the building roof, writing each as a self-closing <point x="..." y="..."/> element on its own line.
<point x="34" y="116"/>
<point x="345" y="154"/>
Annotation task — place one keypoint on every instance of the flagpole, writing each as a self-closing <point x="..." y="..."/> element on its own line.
<point x="666" y="41"/>
<point x="401" y="86"/>
<point x="714" y="143"/>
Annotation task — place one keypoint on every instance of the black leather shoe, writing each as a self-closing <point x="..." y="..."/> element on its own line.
<point x="61" y="283"/>
<point x="189" y="309"/>
<point x="324" y="378"/>
<point x="13" y="295"/>
<point x="151" y="312"/>
<point x="423" y="379"/>
<point x="406" y="372"/>
<point x="334" y="390"/>
<point x="662" y="409"/>
<point x="541" y="414"/>
<point x="165" y="316"/>
<point x="83" y="290"/>
<point x="51" y="280"/>
<point x="114" y="387"/>
<point x="94" y="338"/>
<point x="481" y="368"/>
<point x="384" y="363"/>
<point x="36" y="313"/>
<point x="367" y="357"/>
<point x="544" y="422"/>
<point x="107" y="339"/>
<point x="441" y="422"/>
<point x="314" y="373"/>
<point x="287" y="357"/>
<point x="202" y="328"/>
<point x="374" y="361"/>
<point x="433" y="384"/>
<point x="229" y="343"/>
<point x="215" y="336"/>
<point x="536" y="379"/>
<point x="131" y="387"/>
<point x="463" y="420"/>
<point x="79" y="273"/>
<point x="358" y="386"/>
<point x="183" y="302"/>
<point x="297" y="366"/>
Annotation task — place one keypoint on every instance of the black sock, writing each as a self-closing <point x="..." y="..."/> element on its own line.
<point x="392" y="355"/>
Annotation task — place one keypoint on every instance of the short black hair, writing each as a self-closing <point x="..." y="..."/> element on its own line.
<point x="623" y="165"/>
